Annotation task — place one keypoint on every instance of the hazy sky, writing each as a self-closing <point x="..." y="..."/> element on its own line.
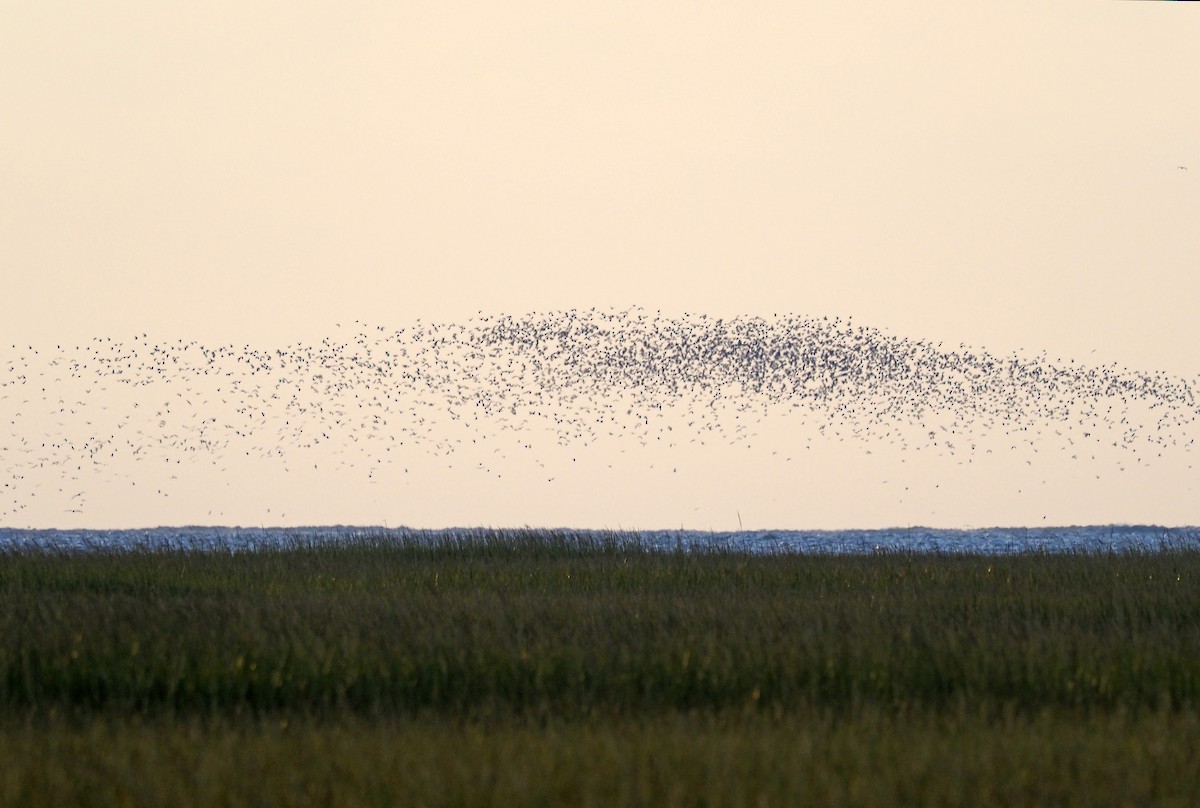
<point x="1005" y="174"/>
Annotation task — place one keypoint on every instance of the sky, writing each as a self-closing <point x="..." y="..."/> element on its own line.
<point x="1018" y="176"/>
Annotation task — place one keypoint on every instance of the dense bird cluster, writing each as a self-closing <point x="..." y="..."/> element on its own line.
<point x="371" y="395"/>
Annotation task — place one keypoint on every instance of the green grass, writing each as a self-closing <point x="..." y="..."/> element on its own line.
<point x="927" y="758"/>
<point x="540" y="668"/>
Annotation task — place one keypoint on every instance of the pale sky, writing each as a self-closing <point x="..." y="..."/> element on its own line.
<point x="1005" y="174"/>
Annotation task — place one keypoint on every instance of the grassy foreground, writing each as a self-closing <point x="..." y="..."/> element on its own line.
<point x="530" y="668"/>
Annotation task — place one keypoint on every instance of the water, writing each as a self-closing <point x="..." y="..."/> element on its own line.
<point x="997" y="540"/>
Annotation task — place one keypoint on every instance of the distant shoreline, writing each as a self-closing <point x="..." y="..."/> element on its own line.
<point x="1003" y="540"/>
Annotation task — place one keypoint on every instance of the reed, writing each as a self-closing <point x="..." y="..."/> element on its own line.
<point x="562" y="645"/>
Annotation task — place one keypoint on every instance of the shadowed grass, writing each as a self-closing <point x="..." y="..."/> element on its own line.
<point x="674" y="759"/>
<point x="544" y="649"/>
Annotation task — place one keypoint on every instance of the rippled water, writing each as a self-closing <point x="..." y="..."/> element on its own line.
<point x="1107" y="538"/>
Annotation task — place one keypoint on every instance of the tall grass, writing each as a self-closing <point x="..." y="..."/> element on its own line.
<point x="483" y="626"/>
<point x="559" y="644"/>
<point x="927" y="758"/>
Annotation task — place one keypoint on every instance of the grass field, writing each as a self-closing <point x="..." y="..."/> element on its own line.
<point x="543" y="669"/>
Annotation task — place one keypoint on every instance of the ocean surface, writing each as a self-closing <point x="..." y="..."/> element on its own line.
<point x="996" y="540"/>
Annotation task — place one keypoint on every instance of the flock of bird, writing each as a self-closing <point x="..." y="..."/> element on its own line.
<point x="371" y="395"/>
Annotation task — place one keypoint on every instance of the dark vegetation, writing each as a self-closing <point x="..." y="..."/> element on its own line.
<point x="541" y="668"/>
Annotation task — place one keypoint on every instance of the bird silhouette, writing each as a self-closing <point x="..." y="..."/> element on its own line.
<point x="367" y="397"/>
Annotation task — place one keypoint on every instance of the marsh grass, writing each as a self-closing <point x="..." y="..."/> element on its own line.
<point x="875" y="758"/>
<point x="596" y="671"/>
